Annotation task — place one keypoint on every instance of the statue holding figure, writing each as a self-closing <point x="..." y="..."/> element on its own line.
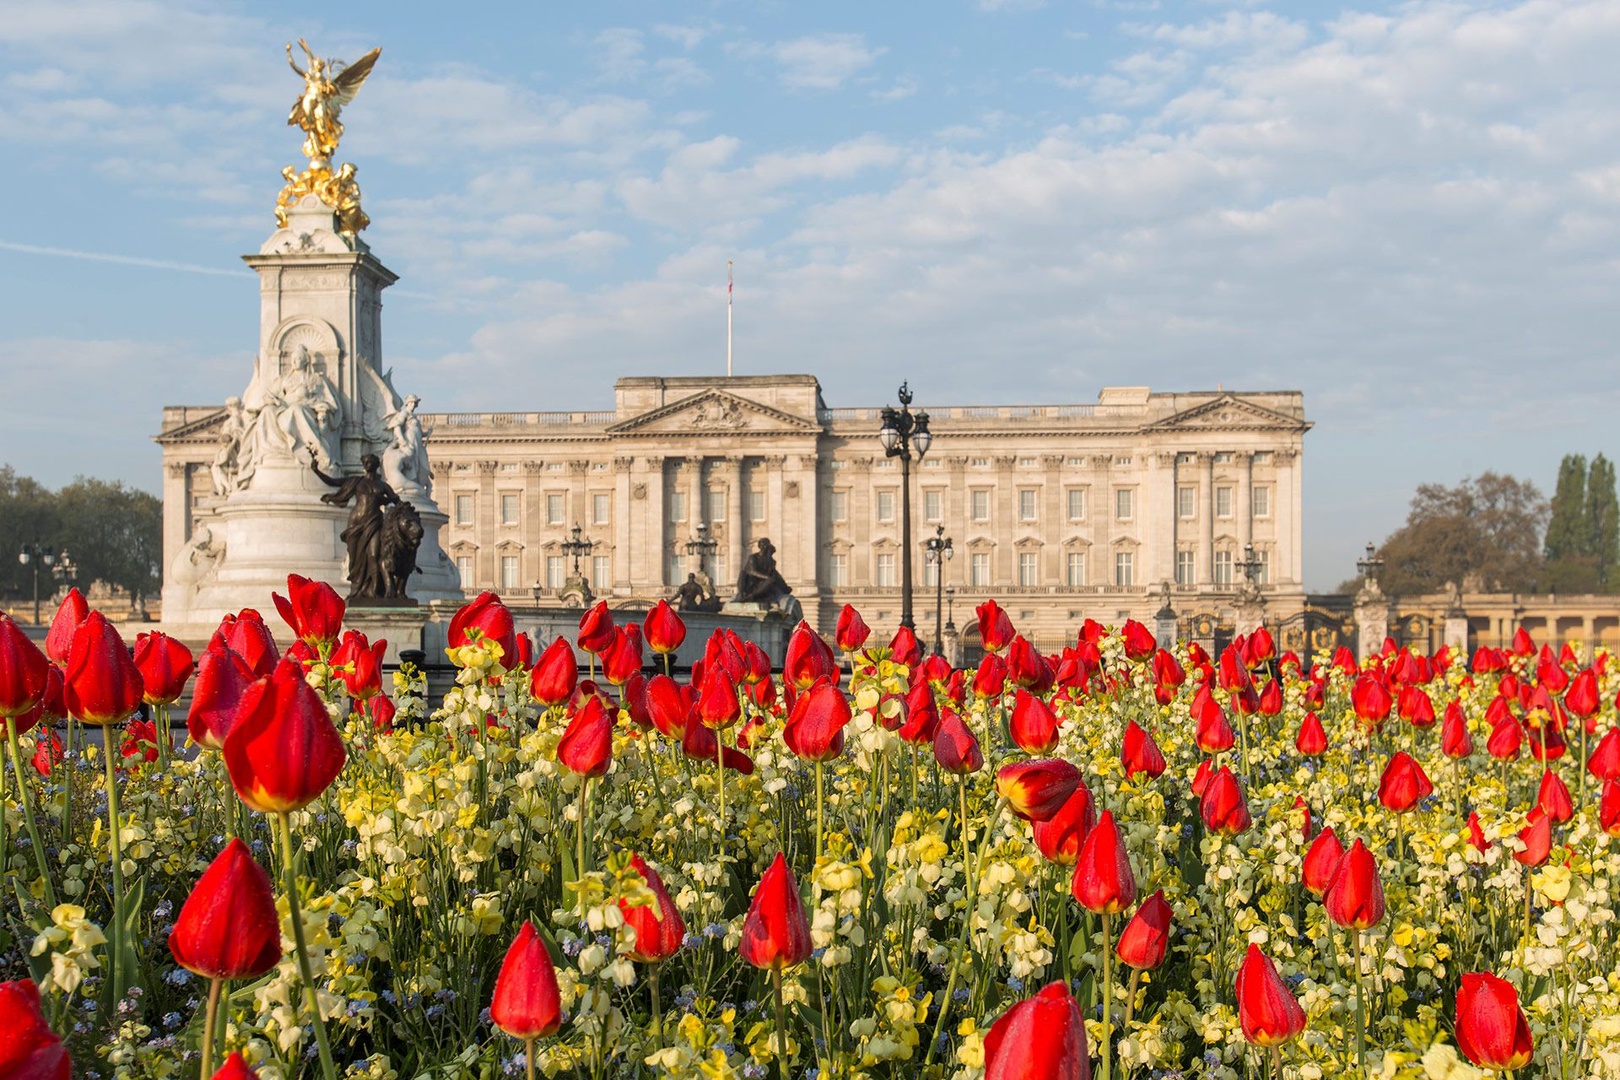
<point x="226" y="464"/>
<point x="405" y="460"/>
<point x="759" y="582"/>
<point x="294" y="413"/>
<point x="371" y="495"/>
<point x="328" y="86"/>
<point x="695" y="595"/>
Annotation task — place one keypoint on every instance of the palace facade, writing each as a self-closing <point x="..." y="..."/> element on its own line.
<point x="1062" y="512"/>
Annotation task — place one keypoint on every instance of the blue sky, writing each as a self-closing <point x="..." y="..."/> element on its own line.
<point x="1409" y="211"/>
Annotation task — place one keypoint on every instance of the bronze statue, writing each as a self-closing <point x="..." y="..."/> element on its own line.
<point x="382" y="547"/>
<point x="693" y="596"/>
<point x="327" y="88"/>
<point x="759" y="582"/>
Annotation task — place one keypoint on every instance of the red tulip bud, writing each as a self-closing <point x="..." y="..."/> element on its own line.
<point x="1268" y="1012"/>
<point x="815" y="728"/>
<point x="1103" y="882"/>
<point x="1143" y="941"/>
<point x="955" y="747"/>
<point x="1035" y="790"/>
<point x="312" y="608"/>
<point x="1311" y="740"/>
<point x="1060" y="836"/>
<point x="1491" y="1028"/>
<point x="1321" y="862"/>
<point x="1043" y="1038"/>
<point x="1034" y="725"/>
<point x="1355" y="899"/>
<point x="222" y="678"/>
<point x="659" y="928"/>
<point x="526" y="1004"/>
<point x="852" y="630"/>
<point x="995" y="627"/>
<point x="228" y="927"/>
<point x="102" y="684"/>
<point x="586" y="747"/>
<point x="776" y="933"/>
<point x="663" y="629"/>
<point x="22" y="672"/>
<point x="29" y="1049"/>
<point x="1403" y="784"/>
<point x="282" y="750"/>
<point x="1222" y="805"/>
<point x="1140" y="753"/>
<point x="165" y="665"/>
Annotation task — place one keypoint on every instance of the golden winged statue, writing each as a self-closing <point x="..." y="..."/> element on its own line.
<point x="328" y="86"/>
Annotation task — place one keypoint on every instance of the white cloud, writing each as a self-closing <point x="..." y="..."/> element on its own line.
<point x="823" y="61"/>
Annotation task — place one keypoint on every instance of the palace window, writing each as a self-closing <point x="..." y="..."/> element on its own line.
<point x="601" y="573"/>
<point x="509" y="573"/>
<point x="756" y="504"/>
<point x="601" y="508"/>
<point x="980" y="504"/>
<point x="979" y="568"/>
<point x="838" y="505"/>
<point x="1223" y="502"/>
<point x="1028" y="568"/>
<point x="1077" y="569"/>
<point x="933" y="505"/>
<point x="930" y="573"/>
<point x="1077" y="503"/>
<point x="509" y="509"/>
<point x="1124" y="568"/>
<point x="1184" y="567"/>
<point x="556" y="571"/>
<point x="554" y="509"/>
<point x="464" y="570"/>
<point x="1262" y="502"/>
<point x="716" y="503"/>
<point x="677" y="507"/>
<point x="885" y="506"/>
<point x="1187" y="502"/>
<point x="885" y="571"/>
<point x="838" y="569"/>
<point x="464" y="509"/>
<point x="1026" y="463"/>
<point x="1262" y="572"/>
<point x="1124" y="508"/>
<point x="1026" y="504"/>
<point x="1224" y="457"/>
<point x="1223" y="567"/>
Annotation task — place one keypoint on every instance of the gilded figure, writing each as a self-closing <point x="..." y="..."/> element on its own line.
<point x="328" y="86"/>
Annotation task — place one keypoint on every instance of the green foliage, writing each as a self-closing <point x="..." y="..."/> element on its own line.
<point x="1567" y="531"/>
<point x="1487" y="528"/>
<point x="114" y="533"/>
<point x="1603" y="522"/>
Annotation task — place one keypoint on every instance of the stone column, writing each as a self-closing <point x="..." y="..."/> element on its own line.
<point x="1244" y="510"/>
<point x="696" y="511"/>
<point x="1004" y="518"/>
<point x="655" y="526"/>
<point x="1054" y="518"/>
<point x="1205" y="560"/>
<point x="802" y="503"/>
<point x="622" y="466"/>
<point x="485" y="564"/>
<point x="533" y="519"/>
<point x="732" y="471"/>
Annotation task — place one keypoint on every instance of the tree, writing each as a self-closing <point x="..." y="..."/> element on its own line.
<point x="27" y="516"/>
<point x="114" y="533"/>
<point x="1603" y="523"/>
<point x="1568" y="535"/>
<point x="1488" y="528"/>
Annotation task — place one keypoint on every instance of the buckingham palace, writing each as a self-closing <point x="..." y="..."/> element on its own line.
<point x="1062" y="512"/>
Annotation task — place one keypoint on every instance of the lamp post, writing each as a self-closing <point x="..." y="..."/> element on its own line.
<point x="902" y="431"/>
<point x="1250" y="566"/>
<point x="939" y="553"/>
<point x="34" y="555"/>
<point x="537" y="590"/>
<point x="703" y="546"/>
<point x="1370" y="565"/>
<point x="577" y="547"/>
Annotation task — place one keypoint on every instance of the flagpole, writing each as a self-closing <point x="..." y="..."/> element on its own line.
<point x="728" y="318"/>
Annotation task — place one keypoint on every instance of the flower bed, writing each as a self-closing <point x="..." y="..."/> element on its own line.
<point x="1116" y="861"/>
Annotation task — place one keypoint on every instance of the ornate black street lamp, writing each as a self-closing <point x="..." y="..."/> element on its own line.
<point x="577" y="547"/>
<point x="938" y="554"/>
<point x="903" y="431"/>
<point x="35" y="555"/>
<point x="1250" y="565"/>
<point x="537" y="590"/>
<point x="703" y="546"/>
<point x="1370" y="566"/>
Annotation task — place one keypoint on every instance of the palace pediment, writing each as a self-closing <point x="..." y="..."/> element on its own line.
<point x="714" y="412"/>
<point x="204" y="427"/>
<point x="1229" y="412"/>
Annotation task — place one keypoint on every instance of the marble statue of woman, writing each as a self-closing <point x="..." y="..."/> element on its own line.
<point x="405" y="461"/>
<point x="290" y="416"/>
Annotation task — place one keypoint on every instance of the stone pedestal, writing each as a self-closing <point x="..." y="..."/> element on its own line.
<point x="1455" y="633"/>
<point x="1372" y="621"/>
<point x="401" y="625"/>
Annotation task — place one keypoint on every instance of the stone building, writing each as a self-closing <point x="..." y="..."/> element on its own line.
<point x="1059" y="511"/>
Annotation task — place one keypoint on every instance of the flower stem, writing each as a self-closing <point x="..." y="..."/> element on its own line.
<point x="28" y="812"/>
<point x="290" y="870"/>
<point x="657" y="1011"/>
<point x="209" y="1019"/>
<point x="1361" y="1012"/>
<point x="579" y="825"/>
<point x="528" y="1057"/>
<point x="821" y="800"/>
<point x="1107" y="989"/>
<point x="119" y="975"/>
<point x="781" y="1022"/>
<point x="720" y="779"/>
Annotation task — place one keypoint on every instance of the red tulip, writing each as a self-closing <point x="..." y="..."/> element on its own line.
<point x="815" y="728"/>
<point x="47" y="753"/>
<point x="526" y="1004"/>
<point x="1043" y="1038"/>
<point x="1355" y="899"/>
<point x="852" y="630"/>
<point x="1522" y="645"/>
<point x="663" y="629"/>
<point x="165" y="665"/>
<point x="1222" y="805"/>
<point x="1371" y="700"/>
<point x="623" y="657"/>
<point x="776" y="933"/>
<point x="1321" y="862"/>
<point x="382" y="710"/>
<point x="1103" y="882"/>
<point x="1311" y="740"/>
<point x="1059" y="837"/>
<point x="247" y="636"/>
<point x="228" y="927"/>
<point x="1142" y="943"/>
<point x="1476" y="835"/>
<point x="1609" y="808"/>
<point x="140" y="741"/>
<point x="1140" y="753"/>
<point x="1536" y="837"/>
<point x="22" y="672"/>
<point x="72" y="611"/>
<point x="1035" y="790"/>
<point x="1268" y="1012"/>
<point x="491" y="620"/>
<point x="1034" y="726"/>
<point x="807" y="659"/>
<point x="700" y="743"/>
<point x="717" y="704"/>
<point x="955" y="747"/>
<point x="667" y="706"/>
<point x="1503" y="745"/>
<point x="313" y="609"/>
<point x="1553" y="798"/>
<point x="359" y="664"/>
<point x="235" y="1068"/>
<point x="995" y="627"/>
<point x="658" y="927"/>
<point x="990" y="678"/>
<point x="756" y="664"/>
<point x="586" y="747"/>
<point x="29" y="1050"/>
<point x="1455" y="742"/>
<point x="1138" y="639"/>
<point x="1214" y="734"/>
<point x="1582" y="698"/>
<point x="596" y="629"/>
<point x="1201" y="778"/>
<point x="1604" y="762"/>
<point x="1271" y="699"/>
<point x="1491" y="1029"/>
<point x="102" y="684"/>
<point x="1024" y="666"/>
<point x="555" y="674"/>
<point x="222" y="677"/>
<point x="934" y="669"/>
<point x="1403" y="784"/>
<point x="922" y="715"/>
<point x="282" y="750"/>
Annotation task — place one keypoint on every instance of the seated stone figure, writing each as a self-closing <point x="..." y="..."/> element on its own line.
<point x="693" y="595"/>
<point x="759" y="582"/>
